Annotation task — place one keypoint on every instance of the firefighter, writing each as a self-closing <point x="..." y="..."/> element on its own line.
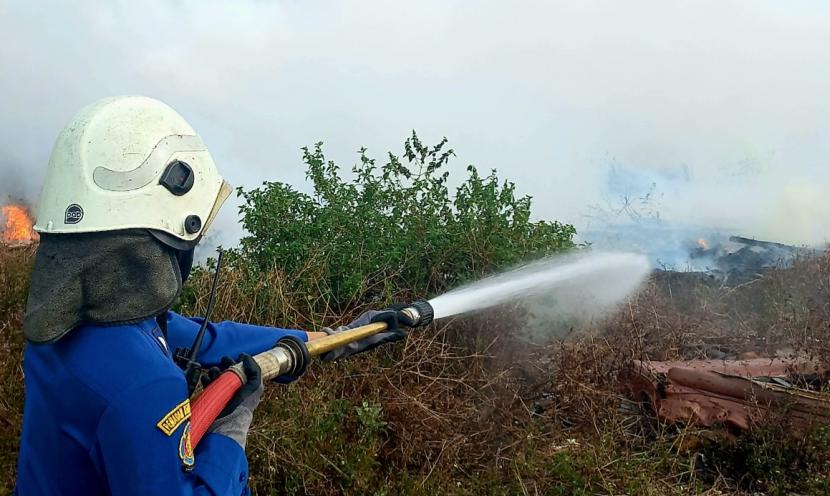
<point x="130" y="190"/>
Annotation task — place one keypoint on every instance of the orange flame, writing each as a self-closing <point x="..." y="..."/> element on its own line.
<point x="18" y="224"/>
<point x="703" y="244"/>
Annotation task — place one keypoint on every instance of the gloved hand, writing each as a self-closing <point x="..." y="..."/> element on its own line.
<point x="392" y="316"/>
<point x="235" y="420"/>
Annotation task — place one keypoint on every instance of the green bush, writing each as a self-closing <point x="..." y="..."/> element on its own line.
<point x="391" y="228"/>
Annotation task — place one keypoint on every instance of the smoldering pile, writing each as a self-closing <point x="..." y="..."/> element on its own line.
<point x="738" y="259"/>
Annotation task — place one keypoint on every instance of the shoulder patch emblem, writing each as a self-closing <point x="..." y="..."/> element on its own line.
<point x="186" y="449"/>
<point x="176" y="417"/>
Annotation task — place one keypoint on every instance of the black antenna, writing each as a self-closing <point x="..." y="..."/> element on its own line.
<point x="197" y="343"/>
<point x="186" y="357"/>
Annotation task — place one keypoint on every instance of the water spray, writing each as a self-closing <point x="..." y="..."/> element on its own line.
<point x="621" y="272"/>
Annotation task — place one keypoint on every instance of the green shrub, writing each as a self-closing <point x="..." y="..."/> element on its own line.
<point x="391" y="228"/>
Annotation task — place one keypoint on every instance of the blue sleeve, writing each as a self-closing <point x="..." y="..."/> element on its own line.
<point x="140" y="458"/>
<point x="224" y="338"/>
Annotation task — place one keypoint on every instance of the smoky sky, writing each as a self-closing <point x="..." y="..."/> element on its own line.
<point x="717" y="111"/>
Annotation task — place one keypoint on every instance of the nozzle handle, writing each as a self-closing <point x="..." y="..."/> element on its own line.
<point x="332" y="342"/>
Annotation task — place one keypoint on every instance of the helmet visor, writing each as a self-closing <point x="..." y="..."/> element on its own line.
<point x="224" y="193"/>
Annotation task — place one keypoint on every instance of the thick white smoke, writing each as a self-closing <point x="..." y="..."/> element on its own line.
<point x="734" y="93"/>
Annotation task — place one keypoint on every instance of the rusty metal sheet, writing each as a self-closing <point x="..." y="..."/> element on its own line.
<point x="727" y="392"/>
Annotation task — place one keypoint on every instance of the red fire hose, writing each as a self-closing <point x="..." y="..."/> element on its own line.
<point x="208" y="405"/>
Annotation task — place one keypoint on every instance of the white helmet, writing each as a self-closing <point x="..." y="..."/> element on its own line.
<point x="131" y="162"/>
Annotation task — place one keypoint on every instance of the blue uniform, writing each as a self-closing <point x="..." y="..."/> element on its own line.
<point x="106" y="412"/>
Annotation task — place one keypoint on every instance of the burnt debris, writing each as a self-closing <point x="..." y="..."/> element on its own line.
<point x="739" y="259"/>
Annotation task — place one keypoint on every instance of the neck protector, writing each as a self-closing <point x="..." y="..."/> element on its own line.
<point x="106" y="278"/>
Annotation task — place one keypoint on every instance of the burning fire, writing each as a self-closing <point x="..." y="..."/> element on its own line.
<point x="703" y="244"/>
<point x="18" y="225"/>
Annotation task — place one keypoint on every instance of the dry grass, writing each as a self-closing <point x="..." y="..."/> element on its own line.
<point x="15" y="265"/>
<point x="470" y="407"/>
